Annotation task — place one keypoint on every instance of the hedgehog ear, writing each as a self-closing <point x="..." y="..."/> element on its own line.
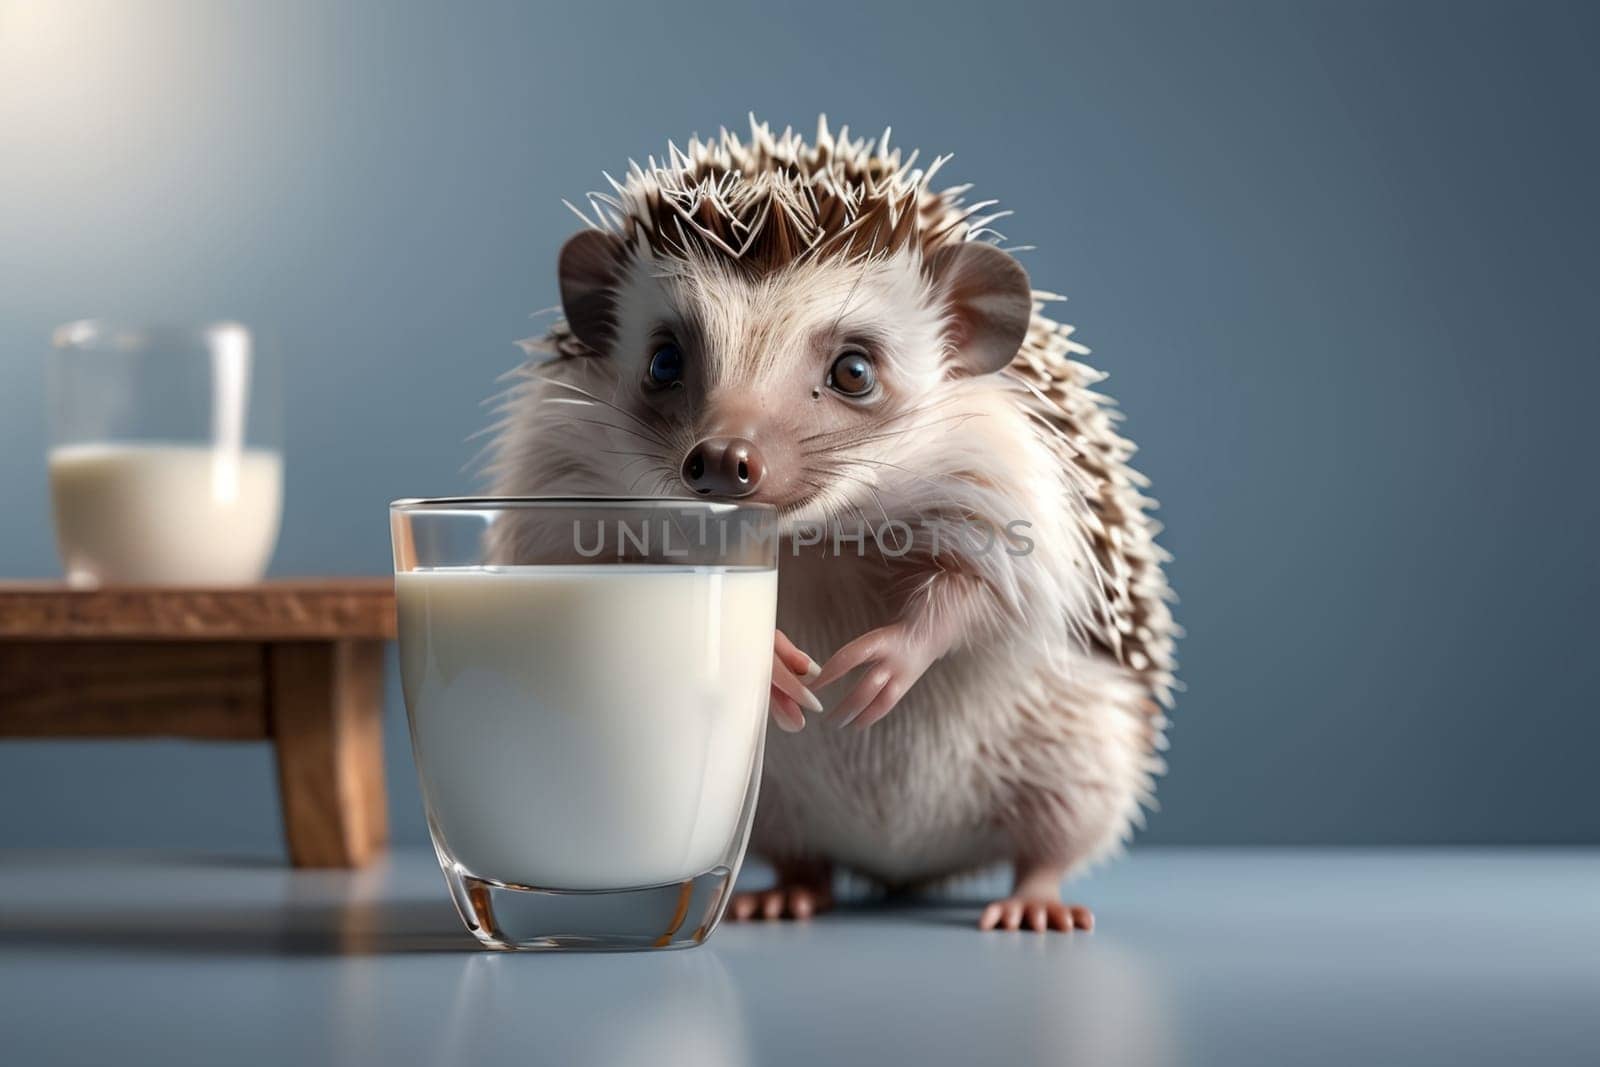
<point x="990" y="304"/>
<point x="588" y="267"/>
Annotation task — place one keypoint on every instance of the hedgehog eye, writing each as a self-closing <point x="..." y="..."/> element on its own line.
<point x="852" y="374"/>
<point x="666" y="365"/>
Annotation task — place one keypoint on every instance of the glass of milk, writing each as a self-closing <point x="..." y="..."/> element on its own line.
<point x="165" y="460"/>
<point x="586" y="682"/>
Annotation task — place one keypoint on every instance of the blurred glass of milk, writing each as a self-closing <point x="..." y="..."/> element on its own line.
<point x="166" y="466"/>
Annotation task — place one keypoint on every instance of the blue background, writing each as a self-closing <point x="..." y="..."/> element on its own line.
<point x="1340" y="260"/>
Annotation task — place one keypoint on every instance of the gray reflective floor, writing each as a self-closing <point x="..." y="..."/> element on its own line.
<point x="1201" y="957"/>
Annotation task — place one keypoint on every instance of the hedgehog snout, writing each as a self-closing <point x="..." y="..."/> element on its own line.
<point x="723" y="466"/>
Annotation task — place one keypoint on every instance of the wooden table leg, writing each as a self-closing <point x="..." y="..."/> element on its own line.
<point x="325" y="713"/>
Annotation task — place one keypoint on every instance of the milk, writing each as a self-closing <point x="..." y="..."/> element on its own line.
<point x="587" y="727"/>
<point x="165" y="514"/>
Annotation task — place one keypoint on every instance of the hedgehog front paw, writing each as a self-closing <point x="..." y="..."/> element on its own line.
<point x="895" y="657"/>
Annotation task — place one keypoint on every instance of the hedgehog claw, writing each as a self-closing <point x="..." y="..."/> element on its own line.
<point x="1039" y="914"/>
<point x="802" y="891"/>
<point x="791" y="698"/>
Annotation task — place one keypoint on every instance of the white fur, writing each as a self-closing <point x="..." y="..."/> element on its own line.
<point x="1036" y="738"/>
<point x="1020" y="740"/>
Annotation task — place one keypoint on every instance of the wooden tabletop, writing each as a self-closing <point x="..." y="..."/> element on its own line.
<point x="297" y="609"/>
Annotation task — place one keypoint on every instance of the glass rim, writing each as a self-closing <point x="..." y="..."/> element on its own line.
<point x="493" y="503"/>
<point x="94" y="334"/>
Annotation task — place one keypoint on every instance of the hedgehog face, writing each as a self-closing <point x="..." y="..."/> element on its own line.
<point x="774" y="385"/>
<point x="787" y="321"/>
<point x="771" y="372"/>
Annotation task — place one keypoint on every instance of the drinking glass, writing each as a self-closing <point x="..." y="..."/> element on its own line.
<point x="165" y="461"/>
<point x="586" y="682"/>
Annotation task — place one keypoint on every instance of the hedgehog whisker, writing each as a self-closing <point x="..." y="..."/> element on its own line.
<point x="623" y="429"/>
<point x="849" y="297"/>
<point x="889" y="435"/>
<point x="936" y="483"/>
<point x="899" y="416"/>
<point x="661" y="473"/>
<point x="624" y="412"/>
<point x="878" y="500"/>
<point x="622" y="471"/>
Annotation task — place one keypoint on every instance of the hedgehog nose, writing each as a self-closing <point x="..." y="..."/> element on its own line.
<point x="724" y="466"/>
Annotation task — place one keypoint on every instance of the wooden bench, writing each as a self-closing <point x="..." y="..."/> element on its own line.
<point x="298" y="663"/>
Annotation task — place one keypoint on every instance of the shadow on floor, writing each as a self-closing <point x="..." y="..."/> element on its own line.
<point x="295" y="927"/>
<point x="141" y="859"/>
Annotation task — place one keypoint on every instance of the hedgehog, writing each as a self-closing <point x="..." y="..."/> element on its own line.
<point x="816" y="326"/>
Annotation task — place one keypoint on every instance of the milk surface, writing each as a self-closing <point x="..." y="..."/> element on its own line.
<point x="165" y="514"/>
<point x="587" y="727"/>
